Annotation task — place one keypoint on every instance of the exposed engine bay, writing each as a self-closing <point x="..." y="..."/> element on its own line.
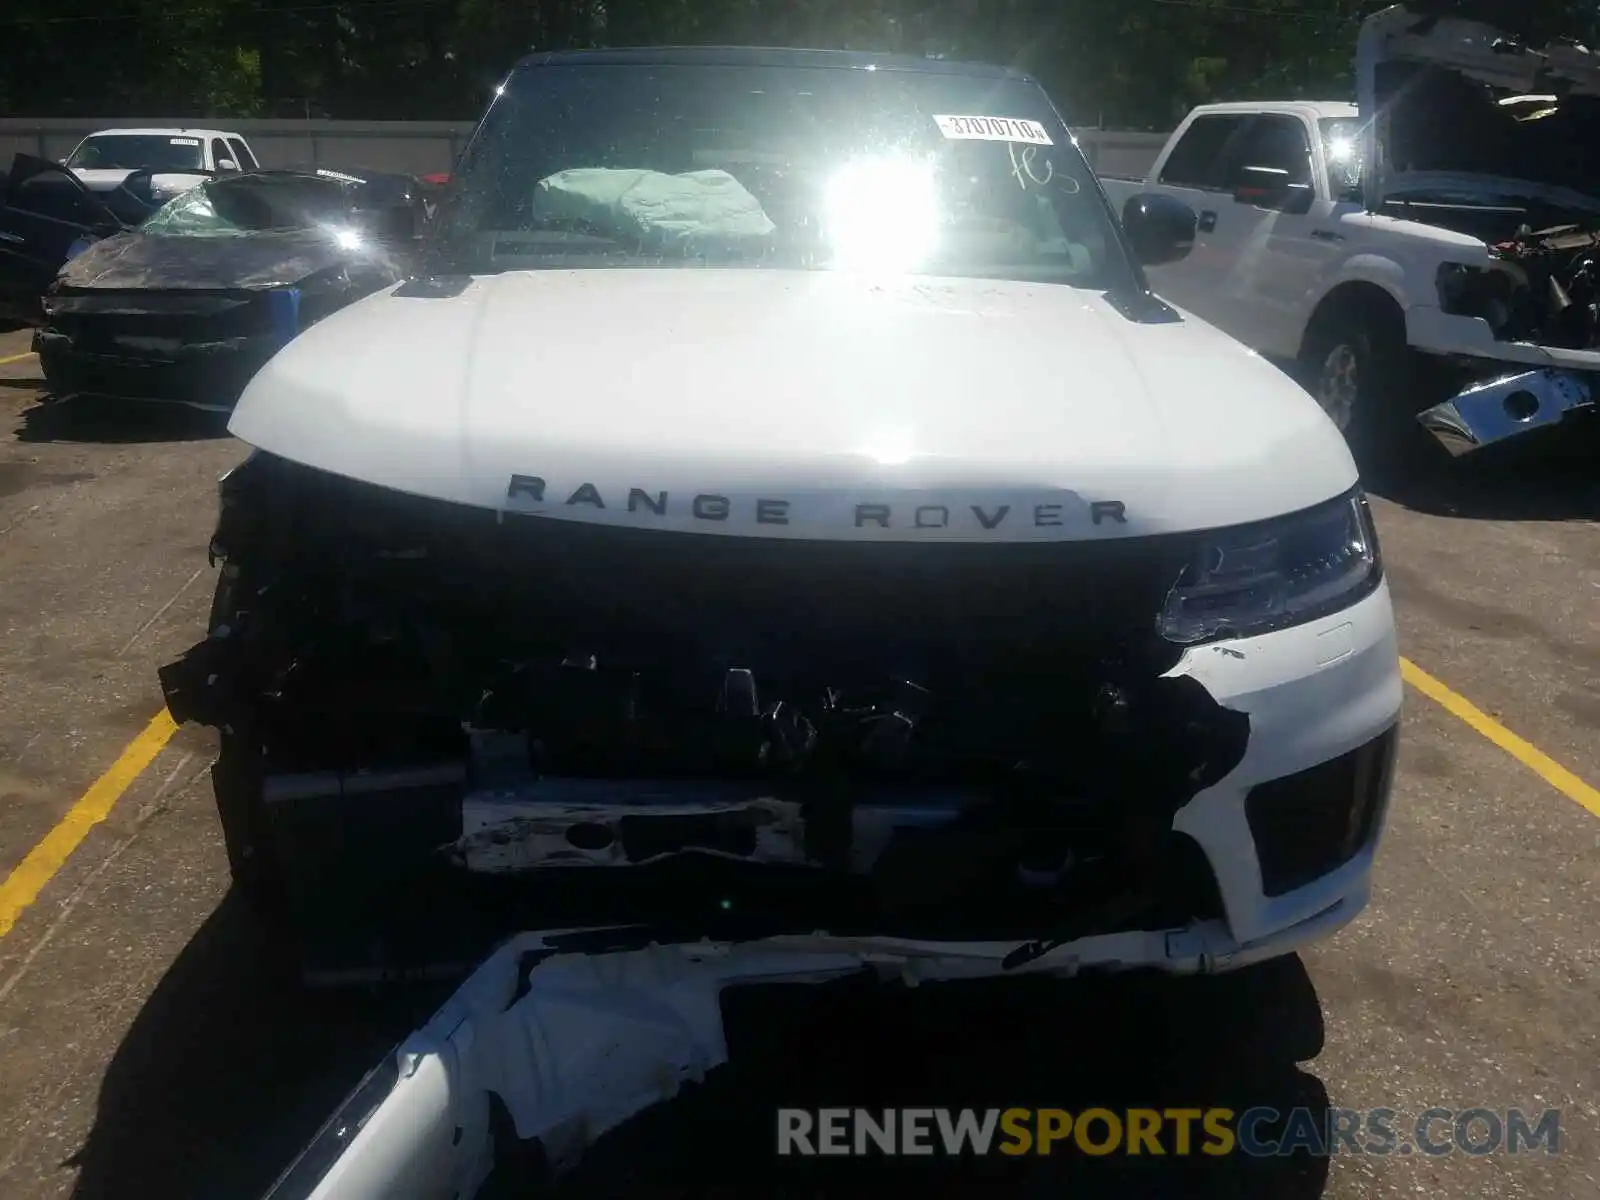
<point x="1543" y="286"/>
<point x="1486" y="125"/>
<point x="913" y="739"/>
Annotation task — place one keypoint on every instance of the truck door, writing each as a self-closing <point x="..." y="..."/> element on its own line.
<point x="45" y="214"/>
<point x="1267" y="234"/>
<point x="1194" y="171"/>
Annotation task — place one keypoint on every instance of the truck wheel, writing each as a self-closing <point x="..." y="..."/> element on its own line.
<point x="1359" y="369"/>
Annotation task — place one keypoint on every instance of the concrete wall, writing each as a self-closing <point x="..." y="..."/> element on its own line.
<point x="420" y="147"/>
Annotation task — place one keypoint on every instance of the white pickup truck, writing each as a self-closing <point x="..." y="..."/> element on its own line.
<point x="178" y="159"/>
<point x="1441" y="257"/>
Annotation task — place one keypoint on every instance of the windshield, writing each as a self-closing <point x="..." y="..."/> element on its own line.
<point x="1341" y="147"/>
<point x="595" y="165"/>
<point x="133" y="151"/>
<point x="252" y="204"/>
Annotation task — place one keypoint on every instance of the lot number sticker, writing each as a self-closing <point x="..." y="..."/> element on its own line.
<point x="993" y="129"/>
<point x="183" y="141"/>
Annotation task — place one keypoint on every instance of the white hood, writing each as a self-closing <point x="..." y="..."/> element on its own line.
<point x="101" y="180"/>
<point x="798" y="404"/>
<point x="165" y="184"/>
<point x="1477" y="51"/>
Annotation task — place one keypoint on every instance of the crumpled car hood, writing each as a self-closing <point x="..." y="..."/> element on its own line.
<point x="136" y="260"/>
<point x="786" y="403"/>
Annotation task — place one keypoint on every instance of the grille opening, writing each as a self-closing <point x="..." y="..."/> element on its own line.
<point x="1314" y="821"/>
<point x="958" y="740"/>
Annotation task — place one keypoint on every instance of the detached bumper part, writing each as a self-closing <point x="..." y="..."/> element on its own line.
<point x="569" y="1034"/>
<point x="1505" y="408"/>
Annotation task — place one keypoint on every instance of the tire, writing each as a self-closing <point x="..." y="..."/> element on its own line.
<point x="1357" y="366"/>
<point x="50" y="367"/>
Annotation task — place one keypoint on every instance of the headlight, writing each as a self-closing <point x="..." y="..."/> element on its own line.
<point x="1256" y="578"/>
<point x="1469" y="291"/>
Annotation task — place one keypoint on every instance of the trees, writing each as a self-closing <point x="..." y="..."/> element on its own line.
<point x="1127" y="63"/>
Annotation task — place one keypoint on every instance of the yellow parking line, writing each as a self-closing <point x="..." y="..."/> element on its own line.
<point x="1525" y="752"/>
<point x="23" y="885"/>
<point x="15" y="358"/>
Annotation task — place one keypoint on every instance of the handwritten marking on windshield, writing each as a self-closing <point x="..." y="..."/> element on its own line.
<point x="1022" y="164"/>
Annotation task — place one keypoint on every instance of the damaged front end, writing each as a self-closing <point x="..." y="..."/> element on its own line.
<point x="186" y="346"/>
<point x="1541" y="289"/>
<point x="189" y="306"/>
<point x="944" y="740"/>
<point x="1484" y="126"/>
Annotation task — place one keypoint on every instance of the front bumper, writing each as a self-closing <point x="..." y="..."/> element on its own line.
<point x="203" y="374"/>
<point x="1509" y="406"/>
<point x="1287" y="838"/>
<point x="573" y="1032"/>
<point x="198" y="348"/>
<point x="1292" y="853"/>
<point x="1517" y="389"/>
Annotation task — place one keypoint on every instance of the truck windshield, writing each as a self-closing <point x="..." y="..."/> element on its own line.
<point x="595" y="165"/>
<point x="133" y="151"/>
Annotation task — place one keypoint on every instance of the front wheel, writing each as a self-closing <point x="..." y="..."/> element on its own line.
<point x="1358" y="367"/>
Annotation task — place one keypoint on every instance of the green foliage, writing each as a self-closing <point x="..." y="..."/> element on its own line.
<point x="1126" y="63"/>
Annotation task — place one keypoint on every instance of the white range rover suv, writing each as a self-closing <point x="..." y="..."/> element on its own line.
<point x="781" y="507"/>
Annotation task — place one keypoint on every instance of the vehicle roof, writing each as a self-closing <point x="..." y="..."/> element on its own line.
<point x="1323" y="109"/>
<point x="767" y="56"/>
<point x="161" y="131"/>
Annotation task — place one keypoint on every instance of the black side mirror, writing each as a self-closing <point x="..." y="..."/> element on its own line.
<point x="1160" y="228"/>
<point x="1269" y="187"/>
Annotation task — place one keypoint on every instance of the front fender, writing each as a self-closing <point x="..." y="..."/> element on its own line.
<point x="1380" y="271"/>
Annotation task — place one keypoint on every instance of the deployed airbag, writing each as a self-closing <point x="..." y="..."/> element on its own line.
<point x="680" y="209"/>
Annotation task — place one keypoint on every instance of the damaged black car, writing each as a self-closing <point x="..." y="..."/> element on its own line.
<point x="186" y="307"/>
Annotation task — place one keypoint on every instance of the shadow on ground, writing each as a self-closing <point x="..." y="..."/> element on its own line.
<point x="230" y="1069"/>
<point x="96" y="419"/>
<point x="1146" y="1042"/>
<point x="1549" y="475"/>
<point x="1555" y="478"/>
